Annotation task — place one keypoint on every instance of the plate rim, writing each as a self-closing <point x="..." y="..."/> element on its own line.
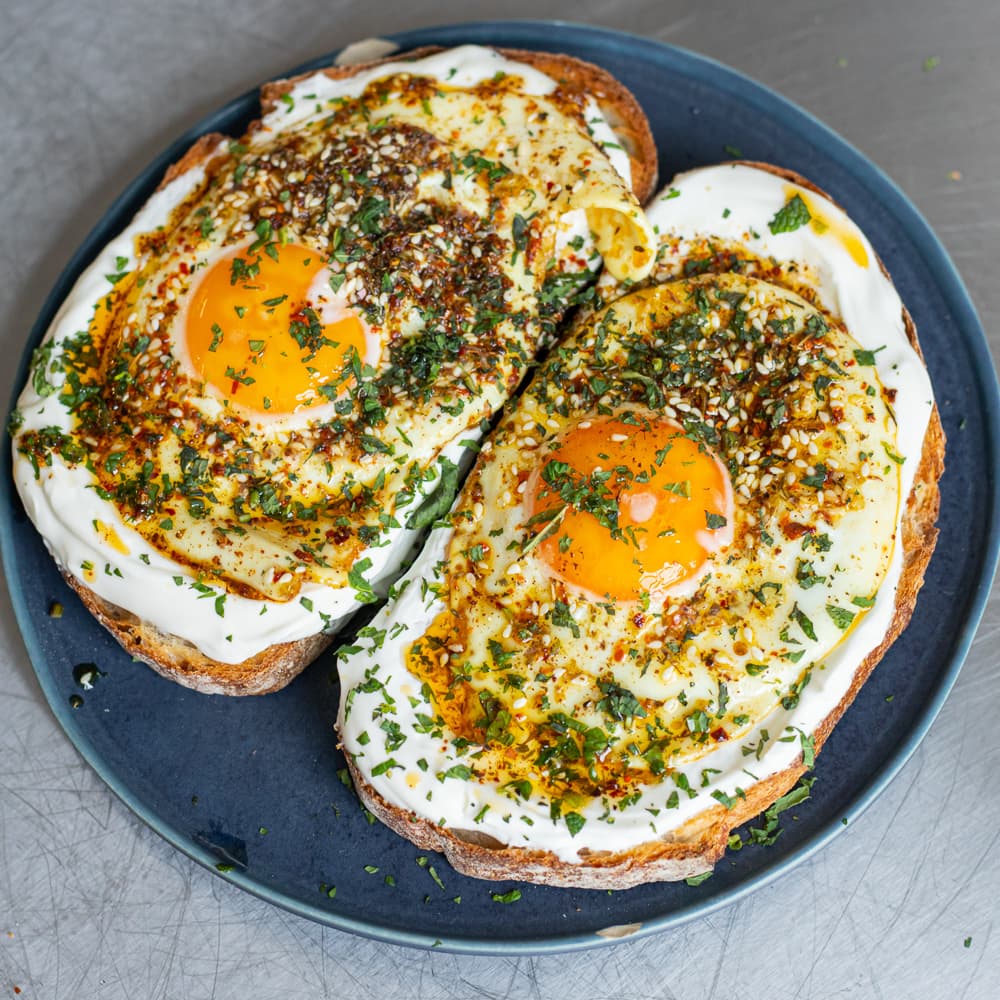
<point x="749" y="91"/>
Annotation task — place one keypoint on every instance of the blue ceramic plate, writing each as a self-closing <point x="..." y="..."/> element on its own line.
<point x="210" y="773"/>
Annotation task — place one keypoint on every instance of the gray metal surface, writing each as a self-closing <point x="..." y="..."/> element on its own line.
<point x="92" y="904"/>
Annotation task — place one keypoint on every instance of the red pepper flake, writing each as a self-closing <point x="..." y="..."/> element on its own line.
<point x="793" y="529"/>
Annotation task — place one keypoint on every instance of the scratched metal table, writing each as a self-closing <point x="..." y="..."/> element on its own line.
<point x="92" y="904"/>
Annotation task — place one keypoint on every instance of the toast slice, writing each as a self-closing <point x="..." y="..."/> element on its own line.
<point x="174" y="657"/>
<point x="694" y="847"/>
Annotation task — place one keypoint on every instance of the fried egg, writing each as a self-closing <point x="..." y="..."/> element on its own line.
<point x="672" y="554"/>
<point x="234" y="417"/>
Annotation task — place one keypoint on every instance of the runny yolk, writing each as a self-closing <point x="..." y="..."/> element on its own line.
<point x="640" y="508"/>
<point x="266" y="334"/>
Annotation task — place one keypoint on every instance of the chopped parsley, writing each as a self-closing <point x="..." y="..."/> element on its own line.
<point x="506" y="897"/>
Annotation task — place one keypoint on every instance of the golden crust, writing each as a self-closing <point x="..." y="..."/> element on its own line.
<point x="697" y="845"/>
<point x="200" y="154"/>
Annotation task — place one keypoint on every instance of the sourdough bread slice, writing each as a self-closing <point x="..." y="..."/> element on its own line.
<point x="698" y="844"/>
<point x="176" y="658"/>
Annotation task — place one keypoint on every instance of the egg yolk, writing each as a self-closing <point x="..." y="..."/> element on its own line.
<point x="639" y="508"/>
<point x="265" y="332"/>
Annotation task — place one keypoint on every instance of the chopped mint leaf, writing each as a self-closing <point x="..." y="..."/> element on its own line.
<point x="792" y="216"/>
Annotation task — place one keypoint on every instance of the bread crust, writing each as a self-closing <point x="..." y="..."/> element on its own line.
<point x="178" y="660"/>
<point x="201" y="153"/>
<point x="696" y="846"/>
<point x="274" y="667"/>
